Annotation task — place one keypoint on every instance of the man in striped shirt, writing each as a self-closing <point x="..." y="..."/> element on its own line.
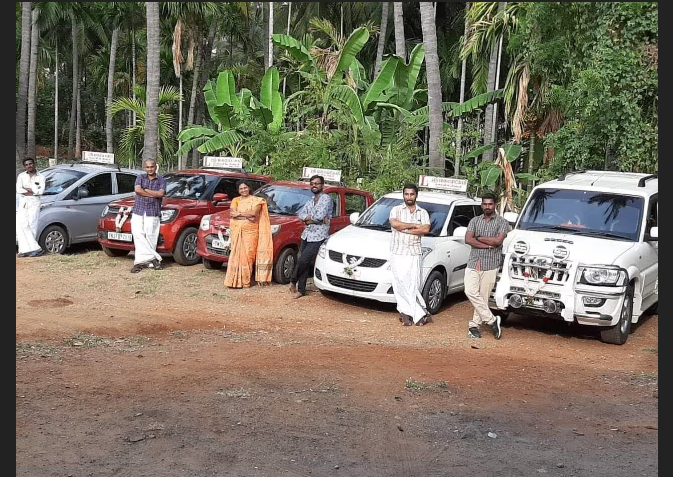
<point x="485" y="234"/>
<point x="150" y="189"/>
<point x="408" y="223"/>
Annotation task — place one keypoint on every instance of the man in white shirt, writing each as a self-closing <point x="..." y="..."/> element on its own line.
<point x="29" y="185"/>
<point x="408" y="222"/>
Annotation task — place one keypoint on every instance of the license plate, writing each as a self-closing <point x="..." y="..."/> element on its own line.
<point x="217" y="243"/>
<point x="120" y="236"/>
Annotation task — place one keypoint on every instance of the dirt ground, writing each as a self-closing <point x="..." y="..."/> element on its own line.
<point x="168" y="373"/>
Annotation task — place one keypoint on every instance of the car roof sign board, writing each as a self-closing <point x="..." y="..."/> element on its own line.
<point x="443" y="183"/>
<point x="223" y="162"/>
<point x="98" y="157"/>
<point x="331" y="175"/>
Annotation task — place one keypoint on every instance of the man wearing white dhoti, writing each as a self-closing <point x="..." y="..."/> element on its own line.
<point x="30" y="186"/>
<point x="408" y="222"/>
<point x="150" y="189"/>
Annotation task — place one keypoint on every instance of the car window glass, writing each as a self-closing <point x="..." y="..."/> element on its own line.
<point x="355" y="203"/>
<point x="125" y="183"/>
<point x="653" y="218"/>
<point x="378" y="215"/>
<point x="58" y="180"/>
<point x="336" y="204"/>
<point x="227" y="186"/>
<point x="99" y="185"/>
<point x="284" y="200"/>
<point x="461" y="216"/>
<point x="185" y="186"/>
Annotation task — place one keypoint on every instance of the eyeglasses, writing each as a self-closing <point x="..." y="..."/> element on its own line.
<point x="315" y="183"/>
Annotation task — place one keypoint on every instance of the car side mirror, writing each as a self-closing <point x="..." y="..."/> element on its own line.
<point x="654" y="233"/>
<point x="220" y="197"/>
<point x="81" y="193"/>
<point x="459" y="233"/>
<point x="354" y="217"/>
<point x="511" y="217"/>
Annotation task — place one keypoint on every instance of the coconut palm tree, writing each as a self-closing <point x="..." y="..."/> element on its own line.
<point x="32" y="82"/>
<point x="459" y="131"/>
<point x="382" y="37"/>
<point x="150" y="147"/>
<point x="399" y="31"/>
<point x="24" y="65"/>
<point x="436" y="159"/>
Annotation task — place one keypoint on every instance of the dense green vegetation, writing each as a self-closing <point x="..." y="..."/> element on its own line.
<point x="558" y="86"/>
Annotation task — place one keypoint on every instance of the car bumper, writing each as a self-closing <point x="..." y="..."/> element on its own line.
<point x="205" y="249"/>
<point x="371" y="283"/>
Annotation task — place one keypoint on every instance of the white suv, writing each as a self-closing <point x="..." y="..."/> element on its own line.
<point x="354" y="261"/>
<point x="584" y="249"/>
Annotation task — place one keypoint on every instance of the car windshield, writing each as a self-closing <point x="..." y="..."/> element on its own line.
<point x="583" y="212"/>
<point x="58" y="180"/>
<point x="378" y="215"/>
<point x="185" y="186"/>
<point x="284" y="200"/>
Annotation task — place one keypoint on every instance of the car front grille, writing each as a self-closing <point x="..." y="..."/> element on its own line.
<point x="367" y="262"/>
<point x="537" y="267"/>
<point x="348" y="284"/>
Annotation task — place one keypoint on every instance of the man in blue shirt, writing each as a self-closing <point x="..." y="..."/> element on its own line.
<point x="316" y="216"/>
<point x="150" y="189"/>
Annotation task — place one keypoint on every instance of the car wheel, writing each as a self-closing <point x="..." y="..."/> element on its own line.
<point x="284" y="266"/>
<point x="211" y="264"/>
<point x="54" y="239"/>
<point x="433" y="291"/>
<point x="185" y="248"/>
<point x="115" y="252"/>
<point x="620" y="332"/>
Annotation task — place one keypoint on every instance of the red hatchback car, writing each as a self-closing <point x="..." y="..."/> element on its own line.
<point x="284" y="199"/>
<point x="190" y="194"/>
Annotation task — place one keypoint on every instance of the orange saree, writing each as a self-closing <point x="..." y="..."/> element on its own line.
<point x="251" y="245"/>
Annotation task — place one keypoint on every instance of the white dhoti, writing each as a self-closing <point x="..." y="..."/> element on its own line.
<point x="406" y="271"/>
<point x="26" y="224"/>
<point x="145" y="230"/>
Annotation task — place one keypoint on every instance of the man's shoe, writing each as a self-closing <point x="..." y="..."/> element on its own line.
<point x="22" y="255"/>
<point x="155" y="264"/>
<point x="36" y="253"/>
<point x="473" y="333"/>
<point x="495" y="327"/>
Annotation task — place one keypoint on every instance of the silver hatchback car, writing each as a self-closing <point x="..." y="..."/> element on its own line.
<point x="74" y="197"/>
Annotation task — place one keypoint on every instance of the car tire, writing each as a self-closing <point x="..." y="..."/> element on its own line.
<point x="115" y="252"/>
<point x="284" y="266"/>
<point x="211" y="264"/>
<point x="54" y="239"/>
<point x="185" y="247"/>
<point x="502" y="314"/>
<point x="433" y="291"/>
<point x="619" y="333"/>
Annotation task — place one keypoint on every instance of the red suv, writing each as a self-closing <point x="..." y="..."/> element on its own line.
<point x="284" y="199"/>
<point x="190" y="194"/>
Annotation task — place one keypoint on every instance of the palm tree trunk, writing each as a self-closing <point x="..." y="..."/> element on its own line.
<point x="269" y="38"/>
<point x="287" y="32"/>
<point x="497" y="85"/>
<point x="265" y="27"/>
<point x="133" y="72"/>
<point x="75" y="84"/>
<point x="32" y="83"/>
<point x="204" y="75"/>
<point x="399" y="31"/>
<point x="382" y="37"/>
<point x="531" y="157"/>
<point x="78" y="126"/>
<point x="490" y="86"/>
<point x="341" y="31"/>
<point x="110" y="90"/>
<point x="56" y="103"/>
<point x="436" y="159"/>
<point x="195" y="85"/>
<point x="24" y="66"/>
<point x="153" y="77"/>
<point x="180" y="117"/>
<point x="459" y="131"/>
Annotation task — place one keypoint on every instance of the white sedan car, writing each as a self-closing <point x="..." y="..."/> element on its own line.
<point x="354" y="261"/>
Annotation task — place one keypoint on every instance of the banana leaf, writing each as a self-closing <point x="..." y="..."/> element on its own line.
<point x="359" y="75"/>
<point x="195" y="131"/>
<point x="490" y="175"/>
<point x="352" y="47"/>
<point x="382" y="81"/>
<point x="226" y="89"/>
<point x="512" y="151"/>
<point x="191" y="144"/>
<point x="477" y="102"/>
<point x="413" y="69"/>
<point x="269" y="85"/>
<point x="220" y="141"/>
<point x="346" y="95"/>
<point x="211" y="101"/>
<point x="395" y="107"/>
<point x="294" y="47"/>
<point x="479" y="150"/>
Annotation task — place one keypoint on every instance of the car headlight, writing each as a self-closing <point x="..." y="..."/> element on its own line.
<point x="322" y="250"/>
<point x="168" y="214"/>
<point x="45" y="205"/>
<point x="603" y="276"/>
<point x="105" y="211"/>
<point x="425" y="251"/>
<point x="275" y="229"/>
<point x="205" y="222"/>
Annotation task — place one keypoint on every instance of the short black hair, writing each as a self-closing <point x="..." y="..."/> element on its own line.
<point x="488" y="195"/>
<point x="316" y="176"/>
<point x="26" y="159"/>
<point x="409" y="185"/>
<point x="246" y="182"/>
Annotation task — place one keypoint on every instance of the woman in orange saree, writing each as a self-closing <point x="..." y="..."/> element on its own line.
<point x="251" y="244"/>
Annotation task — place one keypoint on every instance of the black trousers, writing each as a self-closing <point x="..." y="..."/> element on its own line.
<point x="308" y="251"/>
